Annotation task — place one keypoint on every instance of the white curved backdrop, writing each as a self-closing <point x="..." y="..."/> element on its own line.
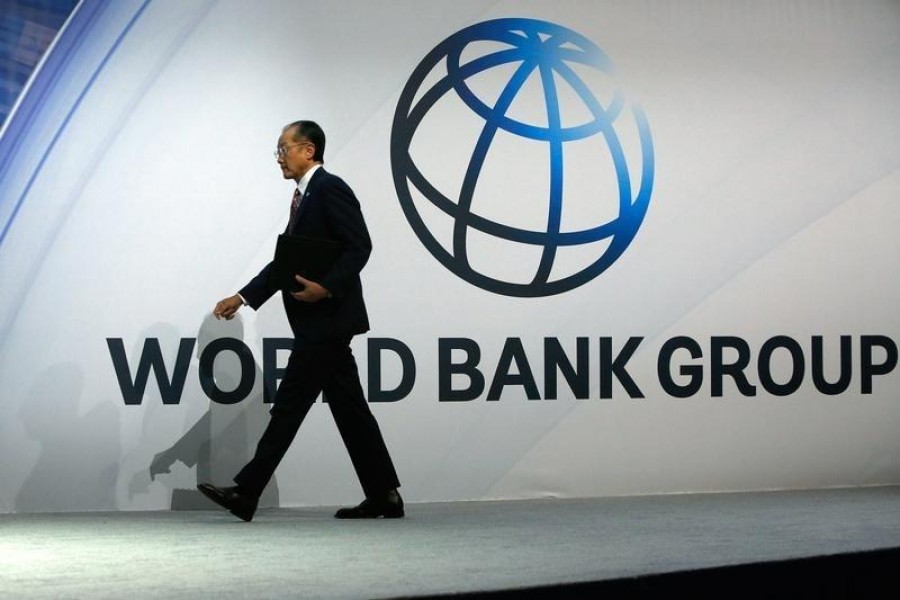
<point x="746" y="338"/>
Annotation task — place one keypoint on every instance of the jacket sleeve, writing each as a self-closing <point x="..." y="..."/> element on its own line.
<point x="347" y="223"/>
<point x="258" y="291"/>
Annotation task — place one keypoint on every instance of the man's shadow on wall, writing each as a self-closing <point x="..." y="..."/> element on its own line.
<point x="78" y="463"/>
<point x="224" y="438"/>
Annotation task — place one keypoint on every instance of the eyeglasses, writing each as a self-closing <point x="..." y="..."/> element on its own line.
<point x="281" y="151"/>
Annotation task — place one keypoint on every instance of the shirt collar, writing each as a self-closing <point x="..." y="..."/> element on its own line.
<point x="304" y="181"/>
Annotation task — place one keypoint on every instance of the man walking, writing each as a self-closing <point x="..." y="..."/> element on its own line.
<point x="324" y="316"/>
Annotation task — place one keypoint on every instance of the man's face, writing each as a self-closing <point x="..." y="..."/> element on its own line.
<point x="294" y="156"/>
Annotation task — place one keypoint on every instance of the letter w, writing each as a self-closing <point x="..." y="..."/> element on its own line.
<point x="151" y="358"/>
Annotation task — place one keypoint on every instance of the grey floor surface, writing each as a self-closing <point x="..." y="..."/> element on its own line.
<point x="438" y="548"/>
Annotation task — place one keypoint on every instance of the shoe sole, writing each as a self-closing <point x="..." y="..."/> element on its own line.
<point x="349" y="517"/>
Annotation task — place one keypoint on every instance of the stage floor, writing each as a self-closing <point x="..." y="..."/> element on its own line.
<point x="440" y="548"/>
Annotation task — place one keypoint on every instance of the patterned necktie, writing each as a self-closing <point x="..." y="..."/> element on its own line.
<point x="295" y="204"/>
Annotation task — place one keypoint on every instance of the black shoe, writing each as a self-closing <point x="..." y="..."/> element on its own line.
<point x="390" y="506"/>
<point x="240" y="505"/>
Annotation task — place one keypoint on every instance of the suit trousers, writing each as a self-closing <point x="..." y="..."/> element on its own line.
<point x="327" y="367"/>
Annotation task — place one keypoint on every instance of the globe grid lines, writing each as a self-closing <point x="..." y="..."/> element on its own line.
<point x="548" y="54"/>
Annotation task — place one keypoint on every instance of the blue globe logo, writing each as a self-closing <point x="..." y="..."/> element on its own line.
<point x="518" y="161"/>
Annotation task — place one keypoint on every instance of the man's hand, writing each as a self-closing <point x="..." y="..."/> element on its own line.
<point x="228" y="307"/>
<point x="311" y="292"/>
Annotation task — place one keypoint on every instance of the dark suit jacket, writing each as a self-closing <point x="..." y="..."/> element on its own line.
<point x="329" y="210"/>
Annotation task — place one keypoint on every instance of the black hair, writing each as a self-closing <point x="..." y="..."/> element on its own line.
<point x="311" y="131"/>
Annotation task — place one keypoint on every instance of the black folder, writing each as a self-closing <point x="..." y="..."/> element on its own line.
<point x="311" y="258"/>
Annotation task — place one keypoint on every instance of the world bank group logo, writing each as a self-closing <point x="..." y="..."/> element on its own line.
<point x="519" y="163"/>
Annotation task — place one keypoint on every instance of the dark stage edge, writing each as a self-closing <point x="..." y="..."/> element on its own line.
<point x="872" y="574"/>
<point x="837" y="543"/>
